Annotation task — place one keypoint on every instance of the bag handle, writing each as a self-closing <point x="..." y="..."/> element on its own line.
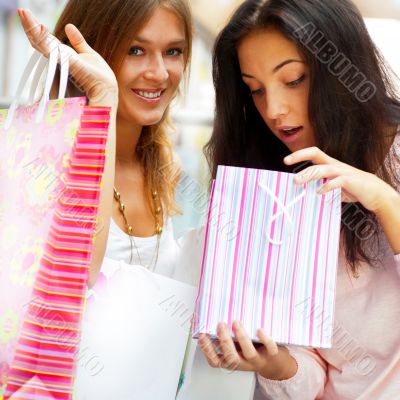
<point x="39" y="62"/>
<point x="283" y="208"/>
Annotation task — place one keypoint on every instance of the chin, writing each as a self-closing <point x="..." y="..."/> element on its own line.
<point x="147" y="120"/>
<point x="150" y="121"/>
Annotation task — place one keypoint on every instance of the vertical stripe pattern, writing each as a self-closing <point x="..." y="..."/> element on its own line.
<point x="269" y="267"/>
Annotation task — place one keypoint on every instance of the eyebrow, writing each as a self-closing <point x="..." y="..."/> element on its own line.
<point x="277" y="68"/>
<point x="175" y="42"/>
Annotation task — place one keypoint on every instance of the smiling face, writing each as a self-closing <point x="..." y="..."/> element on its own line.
<point x="273" y="69"/>
<point x="152" y="70"/>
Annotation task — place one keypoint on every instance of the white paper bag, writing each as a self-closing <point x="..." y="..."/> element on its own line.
<point x="134" y="336"/>
<point x="200" y="381"/>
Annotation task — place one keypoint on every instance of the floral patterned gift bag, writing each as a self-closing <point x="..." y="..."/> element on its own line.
<point x="52" y="157"/>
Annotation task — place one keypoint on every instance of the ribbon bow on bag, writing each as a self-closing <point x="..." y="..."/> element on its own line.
<point x="283" y="212"/>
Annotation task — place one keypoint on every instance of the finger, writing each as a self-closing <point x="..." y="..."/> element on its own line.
<point x="249" y="352"/>
<point x="317" y="172"/>
<point x="341" y="182"/>
<point x="270" y="345"/>
<point x="313" y="154"/>
<point x="230" y="359"/>
<point x="38" y="34"/>
<point x="208" y="349"/>
<point x="76" y="39"/>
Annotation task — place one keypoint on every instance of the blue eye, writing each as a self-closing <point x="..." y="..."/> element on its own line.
<point x="135" y="51"/>
<point x="174" y="52"/>
<point x="297" y="81"/>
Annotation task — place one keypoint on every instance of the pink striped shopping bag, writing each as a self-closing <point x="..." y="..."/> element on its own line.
<point x="51" y="172"/>
<point x="270" y="257"/>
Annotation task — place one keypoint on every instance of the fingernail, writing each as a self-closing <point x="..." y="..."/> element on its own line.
<point x="223" y="326"/>
<point x="288" y="159"/>
<point x="238" y="324"/>
<point x="299" y="178"/>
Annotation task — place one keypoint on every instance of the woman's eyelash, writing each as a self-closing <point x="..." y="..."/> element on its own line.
<point x="134" y="50"/>
<point x="296" y="82"/>
<point x="175" y="51"/>
<point x="290" y="84"/>
<point x="256" y="92"/>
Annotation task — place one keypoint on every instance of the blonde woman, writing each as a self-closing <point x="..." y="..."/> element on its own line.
<point x="131" y="55"/>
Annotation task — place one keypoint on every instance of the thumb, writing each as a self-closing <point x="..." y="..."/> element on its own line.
<point x="76" y="39"/>
<point x="270" y="345"/>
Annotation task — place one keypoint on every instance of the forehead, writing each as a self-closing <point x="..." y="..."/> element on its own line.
<point x="266" y="48"/>
<point x="163" y="25"/>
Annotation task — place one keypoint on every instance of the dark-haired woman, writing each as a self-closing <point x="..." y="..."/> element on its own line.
<point x="302" y="82"/>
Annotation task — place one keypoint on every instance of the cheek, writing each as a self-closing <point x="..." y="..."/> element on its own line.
<point x="176" y="73"/>
<point x="128" y="72"/>
<point x="261" y="106"/>
<point x="301" y="101"/>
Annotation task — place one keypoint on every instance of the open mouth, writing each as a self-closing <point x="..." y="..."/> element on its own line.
<point x="290" y="134"/>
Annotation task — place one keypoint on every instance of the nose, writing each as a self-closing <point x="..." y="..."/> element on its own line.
<point x="156" y="69"/>
<point x="277" y="105"/>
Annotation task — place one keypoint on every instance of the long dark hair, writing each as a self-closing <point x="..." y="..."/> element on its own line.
<point x="353" y="105"/>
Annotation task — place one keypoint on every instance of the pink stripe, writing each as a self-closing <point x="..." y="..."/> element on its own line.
<point x="216" y="244"/>
<point x="261" y="246"/>
<point x="296" y="263"/>
<point x="225" y="278"/>
<point x="270" y="250"/>
<point x="316" y="265"/>
<point x="249" y="244"/>
<point x="237" y="247"/>
<point x="278" y="272"/>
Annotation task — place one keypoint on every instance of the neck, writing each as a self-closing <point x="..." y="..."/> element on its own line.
<point x="128" y="136"/>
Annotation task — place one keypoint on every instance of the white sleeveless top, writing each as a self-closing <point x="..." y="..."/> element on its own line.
<point x="119" y="249"/>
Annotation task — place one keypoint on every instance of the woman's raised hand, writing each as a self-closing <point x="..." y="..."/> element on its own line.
<point x="88" y="69"/>
<point x="357" y="185"/>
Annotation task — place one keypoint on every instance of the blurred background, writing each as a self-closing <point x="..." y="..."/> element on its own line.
<point x="193" y="113"/>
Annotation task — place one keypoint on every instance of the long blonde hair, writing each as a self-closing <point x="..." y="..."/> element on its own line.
<point x="108" y="27"/>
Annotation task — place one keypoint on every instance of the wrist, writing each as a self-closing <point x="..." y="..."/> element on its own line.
<point x="104" y="96"/>
<point x="282" y="368"/>
<point x="389" y="200"/>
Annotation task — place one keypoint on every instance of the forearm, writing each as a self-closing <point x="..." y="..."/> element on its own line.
<point x="389" y="218"/>
<point x="307" y="383"/>
<point x="106" y="195"/>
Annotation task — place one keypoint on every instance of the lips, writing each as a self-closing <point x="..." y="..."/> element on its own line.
<point x="149" y="95"/>
<point x="289" y="133"/>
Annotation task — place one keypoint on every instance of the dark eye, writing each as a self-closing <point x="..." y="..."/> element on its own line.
<point x="257" y="92"/>
<point x="297" y="81"/>
<point x="174" y="52"/>
<point x="135" y="51"/>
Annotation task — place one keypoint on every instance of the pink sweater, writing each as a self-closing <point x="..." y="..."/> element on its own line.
<point x="364" y="362"/>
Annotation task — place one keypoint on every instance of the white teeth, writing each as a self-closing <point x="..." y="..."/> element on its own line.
<point x="289" y="130"/>
<point x="150" y="95"/>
